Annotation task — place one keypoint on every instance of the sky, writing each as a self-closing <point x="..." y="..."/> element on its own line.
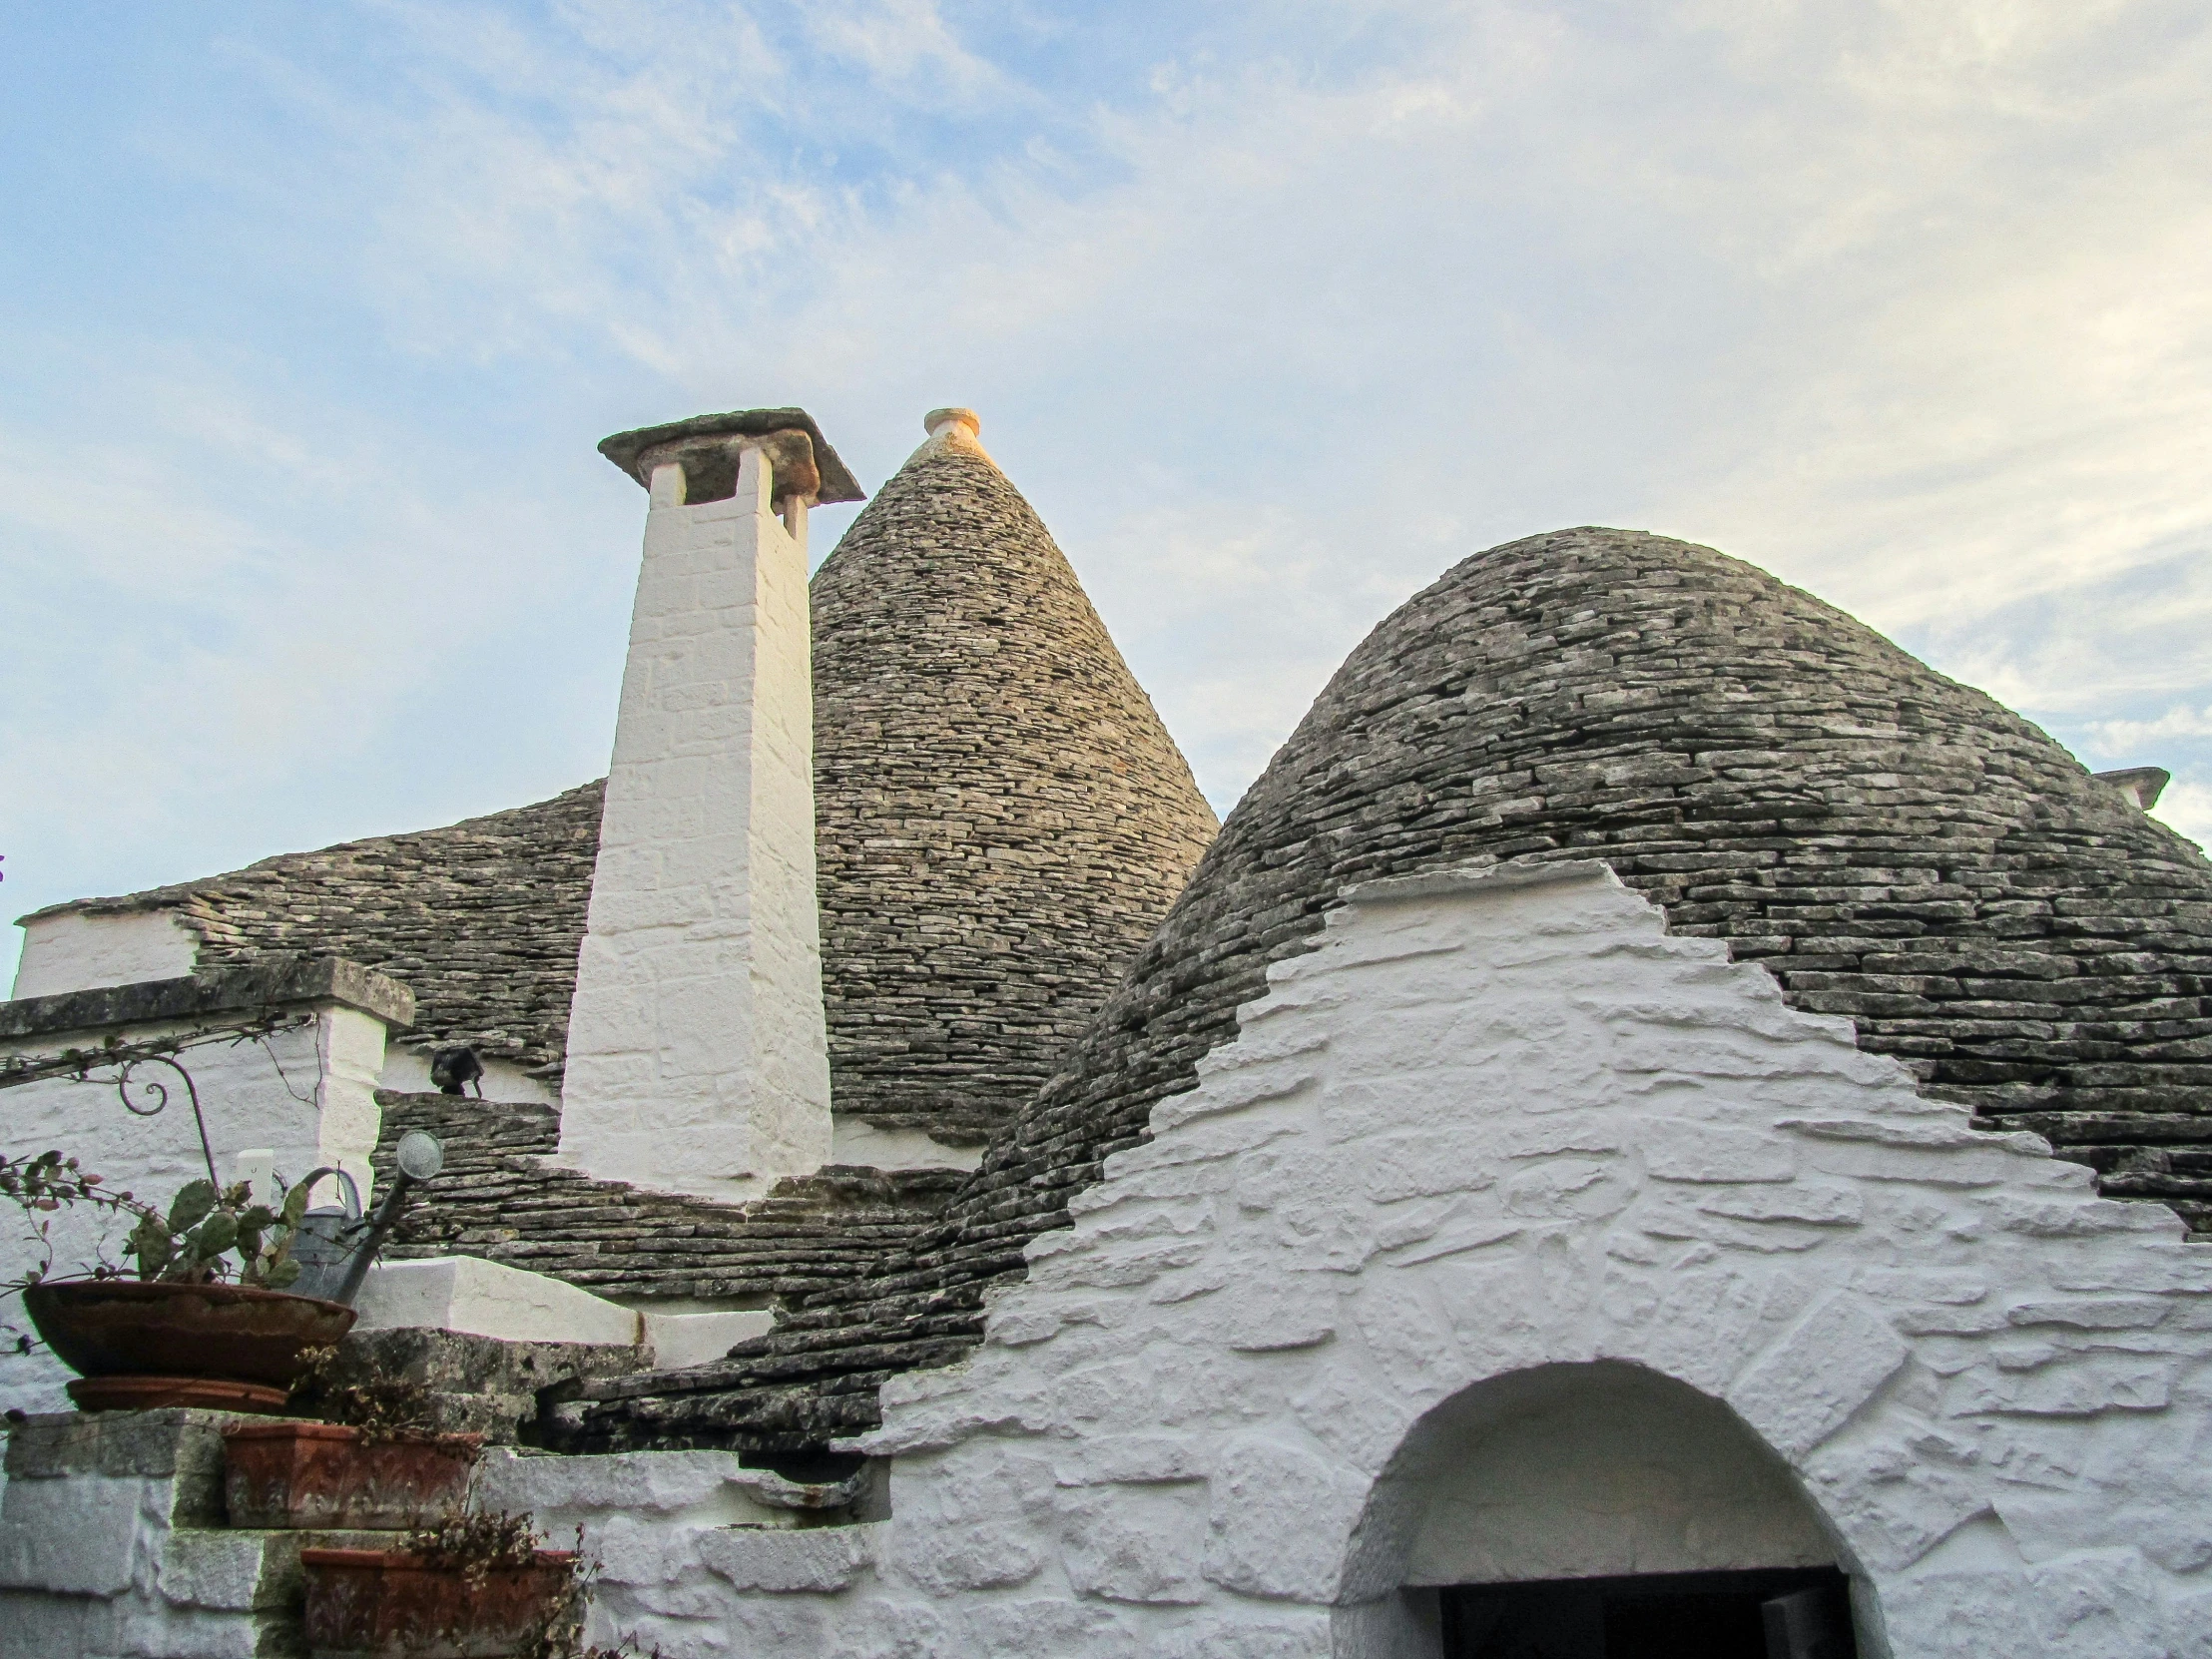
<point x="312" y="313"/>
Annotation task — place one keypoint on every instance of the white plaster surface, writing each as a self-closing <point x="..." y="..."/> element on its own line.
<point x="688" y="1535"/>
<point x="698" y="1056"/>
<point x="1594" y="1472"/>
<point x="680" y="1489"/>
<point x="488" y="1299"/>
<point x="408" y="1071"/>
<point x="251" y="1095"/>
<point x="679" y="1341"/>
<point x="1494" y="1159"/>
<point x="854" y="1141"/>
<point x="72" y="951"/>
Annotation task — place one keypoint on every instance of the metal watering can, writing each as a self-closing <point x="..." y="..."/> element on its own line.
<point x="337" y="1244"/>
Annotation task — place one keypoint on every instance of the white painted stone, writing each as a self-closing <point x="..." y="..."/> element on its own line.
<point x="298" y="1099"/>
<point x="697" y="1055"/>
<point x="854" y="1141"/>
<point x="408" y="1071"/>
<point x="1142" y="1545"/>
<point x="679" y="1341"/>
<point x="488" y="1299"/>
<point x="110" y="1547"/>
<point x="787" y="1562"/>
<point x="78" y="1536"/>
<point x="651" y="1518"/>
<point x="67" y="950"/>
<point x="1768" y="1239"/>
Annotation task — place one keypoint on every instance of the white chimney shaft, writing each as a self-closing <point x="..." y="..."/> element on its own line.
<point x="697" y="1050"/>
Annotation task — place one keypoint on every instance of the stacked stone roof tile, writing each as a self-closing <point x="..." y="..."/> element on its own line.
<point x="1002" y="820"/>
<point x="499" y="1197"/>
<point x="1891" y="845"/>
<point x="481" y="920"/>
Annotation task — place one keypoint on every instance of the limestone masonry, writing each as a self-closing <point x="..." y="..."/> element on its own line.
<point x="696" y="1054"/>
<point x="1657" y="1112"/>
<point x="1002" y="816"/>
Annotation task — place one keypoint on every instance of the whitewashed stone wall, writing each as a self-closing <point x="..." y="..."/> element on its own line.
<point x="258" y="1123"/>
<point x="67" y="950"/>
<point x="698" y="1059"/>
<point x="112" y="1546"/>
<point x="1500" y="1152"/>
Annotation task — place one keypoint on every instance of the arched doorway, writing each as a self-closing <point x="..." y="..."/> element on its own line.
<point x="1591" y="1512"/>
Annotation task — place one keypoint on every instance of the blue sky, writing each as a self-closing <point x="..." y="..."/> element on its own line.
<point x="314" y="312"/>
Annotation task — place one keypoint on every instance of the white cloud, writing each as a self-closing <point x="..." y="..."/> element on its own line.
<point x="1910" y="304"/>
<point x="2188" y="808"/>
<point x="2119" y="737"/>
<point x="904" y="42"/>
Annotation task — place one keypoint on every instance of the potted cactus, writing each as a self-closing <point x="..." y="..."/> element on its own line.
<point x="201" y="1317"/>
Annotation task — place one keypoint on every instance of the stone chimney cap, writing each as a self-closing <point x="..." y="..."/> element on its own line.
<point x="2141" y="785"/>
<point x="837" y="482"/>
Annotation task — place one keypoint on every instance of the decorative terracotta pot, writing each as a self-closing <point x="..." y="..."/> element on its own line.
<point x="321" y="1474"/>
<point x="133" y="1328"/>
<point x="387" y="1604"/>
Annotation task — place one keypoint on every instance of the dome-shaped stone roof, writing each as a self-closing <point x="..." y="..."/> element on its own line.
<point x="1002" y="818"/>
<point x="1893" y="845"/>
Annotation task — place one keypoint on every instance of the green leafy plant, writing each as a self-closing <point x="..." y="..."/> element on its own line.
<point x="206" y="1234"/>
<point x="203" y="1228"/>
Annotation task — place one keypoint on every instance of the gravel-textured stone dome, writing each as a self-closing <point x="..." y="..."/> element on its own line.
<point x="1893" y="845"/>
<point x="1002" y="818"/>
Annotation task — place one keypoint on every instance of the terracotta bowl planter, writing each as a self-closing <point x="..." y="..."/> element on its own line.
<point x="386" y="1604"/>
<point x="132" y="1328"/>
<point x="296" y="1476"/>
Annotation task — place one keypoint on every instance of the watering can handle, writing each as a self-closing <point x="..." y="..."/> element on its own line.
<point x="352" y="1188"/>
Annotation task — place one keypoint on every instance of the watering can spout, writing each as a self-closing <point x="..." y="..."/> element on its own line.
<point x="337" y="1247"/>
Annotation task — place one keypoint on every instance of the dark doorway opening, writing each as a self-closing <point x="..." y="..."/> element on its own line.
<point x="1785" y="1613"/>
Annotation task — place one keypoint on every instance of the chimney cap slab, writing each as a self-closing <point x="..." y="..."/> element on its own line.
<point x="837" y="482"/>
<point x="2141" y="785"/>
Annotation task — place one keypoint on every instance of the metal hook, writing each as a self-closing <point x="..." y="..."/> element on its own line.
<point x="159" y="1093"/>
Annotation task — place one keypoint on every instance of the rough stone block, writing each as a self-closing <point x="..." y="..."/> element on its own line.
<point x="819" y="1560"/>
<point x="1804" y="1388"/>
<point x="1137" y="1545"/>
<point x="1279" y="1521"/>
<point x="84" y="1535"/>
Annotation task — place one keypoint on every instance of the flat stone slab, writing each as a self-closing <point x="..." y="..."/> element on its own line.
<point x="837" y="482"/>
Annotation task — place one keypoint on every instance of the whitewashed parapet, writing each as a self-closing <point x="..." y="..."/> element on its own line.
<point x="285" y="1055"/>
<point x="69" y="949"/>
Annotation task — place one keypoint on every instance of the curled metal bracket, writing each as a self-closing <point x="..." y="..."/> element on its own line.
<point x="156" y="1095"/>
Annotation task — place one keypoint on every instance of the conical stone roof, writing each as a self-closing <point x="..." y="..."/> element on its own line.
<point x="1001" y="818"/>
<point x="1891" y="845"/>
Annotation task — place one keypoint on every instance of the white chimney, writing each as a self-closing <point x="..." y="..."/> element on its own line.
<point x="697" y="1053"/>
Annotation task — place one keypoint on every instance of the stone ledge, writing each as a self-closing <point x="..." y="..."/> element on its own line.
<point x="273" y="981"/>
<point x="171" y="1443"/>
<point x="837" y="482"/>
<point x="1476" y="877"/>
